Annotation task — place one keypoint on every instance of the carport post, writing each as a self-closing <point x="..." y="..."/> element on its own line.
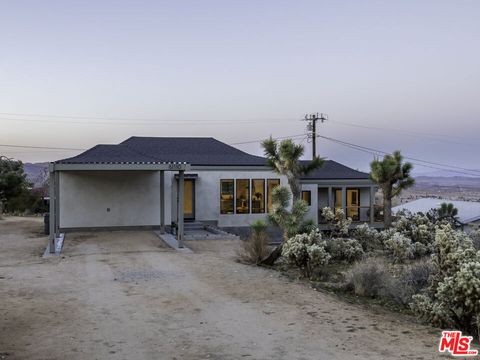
<point x="52" y="209"/>
<point x="372" y="203"/>
<point x="57" y="204"/>
<point x="180" y="208"/>
<point x="162" y="202"/>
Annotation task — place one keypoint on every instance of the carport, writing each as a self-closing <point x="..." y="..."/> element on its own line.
<point x="64" y="166"/>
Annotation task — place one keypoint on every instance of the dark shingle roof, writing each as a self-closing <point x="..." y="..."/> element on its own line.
<point x="196" y="151"/>
<point x="334" y="170"/>
<point x="192" y="150"/>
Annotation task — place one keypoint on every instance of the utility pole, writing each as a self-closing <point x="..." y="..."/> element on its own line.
<point x="312" y="129"/>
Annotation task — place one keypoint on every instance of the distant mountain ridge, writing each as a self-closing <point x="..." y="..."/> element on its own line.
<point x="451" y="181"/>
<point x="447" y="173"/>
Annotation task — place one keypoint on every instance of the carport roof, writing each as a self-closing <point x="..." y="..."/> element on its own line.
<point x="196" y="151"/>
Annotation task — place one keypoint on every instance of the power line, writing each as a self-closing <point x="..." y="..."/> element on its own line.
<point x="130" y="121"/>
<point x="106" y="120"/>
<point x="83" y="149"/>
<point x="419" y="162"/>
<point x="277" y="138"/>
<point x="369" y="150"/>
<point x="40" y="147"/>
<point x="429" y="135"/>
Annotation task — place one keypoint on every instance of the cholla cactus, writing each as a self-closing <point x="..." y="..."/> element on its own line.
<point x="419" y="249"/>
<point x="453" y="298"/>
<point x="399" y="247"/>
<point x="417" y="227"/>
<point x="347" y="250"/>
<point x="369" y="238"/>
<point x="328" y="214"/>
<point x="461" y="292"/>
<point x="431" y="311"/>
<point x="451" y="249"/>
<point x="306" y="251"/>
<point x="338" y="224"/>
<point x="318" y="255"/>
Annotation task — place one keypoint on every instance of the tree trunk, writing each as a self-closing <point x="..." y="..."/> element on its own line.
<point x="295" y="188"/>
<point x="274" y="256"/>
<point x="387" y="211"/>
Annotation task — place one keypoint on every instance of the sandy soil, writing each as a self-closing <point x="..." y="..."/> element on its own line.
<point x="122" y="295"/>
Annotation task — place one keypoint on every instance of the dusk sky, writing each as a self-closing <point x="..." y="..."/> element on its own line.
<point x="389" y="74"/>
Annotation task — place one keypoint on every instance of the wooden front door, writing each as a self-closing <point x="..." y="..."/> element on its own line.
<point x="189" y="200"/>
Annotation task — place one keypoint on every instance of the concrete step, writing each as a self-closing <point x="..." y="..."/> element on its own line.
<point x="193" y="226"/>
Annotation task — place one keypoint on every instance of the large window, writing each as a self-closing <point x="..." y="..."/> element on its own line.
<point x="243" y="196"/>
<point x="226" y="197"/>
<point x="258" y="196"/>
<point x="271" y="184"/>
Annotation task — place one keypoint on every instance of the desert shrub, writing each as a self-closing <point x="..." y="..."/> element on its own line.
<point x="255" y="248"/>
<point x="338" y="225"/>
<point x="399" y="248"/>
<point x="415" y="278"/>
<point x="475" y="236"/>
<point x="306" y="252"/>
<point x="372" y="278"/>
<point x="369" y="238"/>
<point x="347" y="250"/>
<point x="453" y="298"/>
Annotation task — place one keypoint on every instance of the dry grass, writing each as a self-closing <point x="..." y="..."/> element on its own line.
<point x="254" y="249"/>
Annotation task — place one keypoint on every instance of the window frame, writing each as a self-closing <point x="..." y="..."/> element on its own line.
<point x="309" y="201"/>
<point x="233" y="197"/>
<point x="263" y="195"/>
<point x="249" y="196"/>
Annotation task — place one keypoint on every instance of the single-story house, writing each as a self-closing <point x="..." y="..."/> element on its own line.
<point x="468" y="211"/>
<point x="157" y="181"/>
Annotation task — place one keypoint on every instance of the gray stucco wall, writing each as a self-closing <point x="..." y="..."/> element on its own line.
<point x="207" y="196"/>
<point x="133" y="198"/>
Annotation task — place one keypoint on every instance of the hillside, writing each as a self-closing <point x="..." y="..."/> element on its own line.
<point x="451" y="187"/>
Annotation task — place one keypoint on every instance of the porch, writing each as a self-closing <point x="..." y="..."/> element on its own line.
<point x="357" y="202"/>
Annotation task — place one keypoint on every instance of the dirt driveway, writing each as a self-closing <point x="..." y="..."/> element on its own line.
<point x="122" y="295"/>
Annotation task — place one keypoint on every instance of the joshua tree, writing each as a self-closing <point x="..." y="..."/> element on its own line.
<point x="284" y="158"/>
<point x="291" y="221"/>
<point x="392" y="176"/>
<point x="447" y="211"/>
